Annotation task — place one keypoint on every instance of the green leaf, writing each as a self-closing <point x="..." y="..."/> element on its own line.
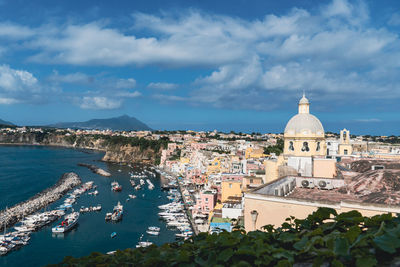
<point x="353" y="233"/>
<point x="336" y="263"/>
<point x="366" y="262"/>
<point x="387" y="242"/>
<point x="225" y="255"/>
<point x="301" y="244"/>
<point x="341" y="247"/>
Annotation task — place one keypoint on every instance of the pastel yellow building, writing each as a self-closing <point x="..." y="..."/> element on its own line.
<point x="304" y="134"/>
<point x="272" y="169"/>
<point x="274" y="210"/>
<point x="230" y="188"/>
<point x="185" y="160"/>
<point x="254" y="153"/>
<point x="345" y="148"/>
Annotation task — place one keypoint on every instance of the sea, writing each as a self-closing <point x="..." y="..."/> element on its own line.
<point x="27" y="170"/>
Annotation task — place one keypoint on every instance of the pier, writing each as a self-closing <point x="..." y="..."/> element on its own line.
<point x="95" y="169"/>
<point x="10" y="216"/>
<point x="186" y="205"/>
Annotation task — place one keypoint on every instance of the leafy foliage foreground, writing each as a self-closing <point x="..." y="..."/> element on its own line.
<point x="323" y="238"/>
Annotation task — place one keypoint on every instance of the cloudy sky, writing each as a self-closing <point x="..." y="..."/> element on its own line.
<point x="203" y="65"/>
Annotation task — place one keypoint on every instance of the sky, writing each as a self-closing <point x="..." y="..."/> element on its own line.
<point x="202" y="65"/>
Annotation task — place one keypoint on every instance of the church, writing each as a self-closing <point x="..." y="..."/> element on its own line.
<point x="305" y="150"/>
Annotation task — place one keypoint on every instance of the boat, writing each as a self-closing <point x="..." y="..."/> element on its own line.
<point x="113" y="234"/>
<point x="152" y="232"/>
<point x="116" y="187"/>
<point x="132" y="196"/>
<point x="154" y="228"/>
<point x="117" y="212"/>
<point x="108" y="216"/>
<point x="111" y="252"/>
<point x="143" y="244"/>
<point x="69" y="221"/>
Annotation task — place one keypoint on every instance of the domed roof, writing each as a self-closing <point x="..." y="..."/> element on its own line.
<point x="304" y="122"/>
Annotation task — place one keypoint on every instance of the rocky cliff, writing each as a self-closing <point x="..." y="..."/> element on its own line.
<point x="117" y="149"/>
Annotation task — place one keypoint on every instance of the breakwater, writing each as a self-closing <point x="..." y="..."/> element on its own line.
<point x="95" y="169"/>
<point x="10" y="216"/>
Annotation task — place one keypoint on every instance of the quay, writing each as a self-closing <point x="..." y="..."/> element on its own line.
<point x="10" y="216"/>
<point x="186" y="205"/>
<point x="95" y="169"/>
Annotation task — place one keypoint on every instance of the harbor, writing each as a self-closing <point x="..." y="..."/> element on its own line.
<point x="92" y="232"/>
<point x="10" y="216"/>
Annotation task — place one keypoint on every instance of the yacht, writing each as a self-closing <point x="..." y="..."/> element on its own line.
<point x="69" y="221"/>
<point x="117" y="212"/>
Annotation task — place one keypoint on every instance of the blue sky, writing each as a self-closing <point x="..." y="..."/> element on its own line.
<point x="202" y="65"/>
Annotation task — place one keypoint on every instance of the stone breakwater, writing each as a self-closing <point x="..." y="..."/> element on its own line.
<point x="95" y="169"/>
<point x="14" y="214"/>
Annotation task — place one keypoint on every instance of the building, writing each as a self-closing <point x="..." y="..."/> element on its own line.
<point x="304" y="134"/>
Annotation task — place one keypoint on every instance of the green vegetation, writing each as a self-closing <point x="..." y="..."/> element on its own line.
<point x="143" y="143"/>
<point x="323" y="238"/>
<point x="277" y="149"/>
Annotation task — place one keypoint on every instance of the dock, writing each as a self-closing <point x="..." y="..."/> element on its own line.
<point x="10" y="216"/>
<point x="95" y="169"/>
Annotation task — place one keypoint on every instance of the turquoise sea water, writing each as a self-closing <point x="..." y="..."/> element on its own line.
<point x="26" y="170"/>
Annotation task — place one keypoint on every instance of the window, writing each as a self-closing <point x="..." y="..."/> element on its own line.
<point x="276" y="192"/>
<point x="230" y="185"/>
<point x="305" y="147"/>
<point x="318" y="146"/>
<point x="291" y="147"/>
<point x="345" y="151"/>
<point x="206" y="199"/>
<point x="251" y="181"/>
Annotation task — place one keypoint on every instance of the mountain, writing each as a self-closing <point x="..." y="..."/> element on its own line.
<point x="6" y="123"/>
<point x="122" y="123"/>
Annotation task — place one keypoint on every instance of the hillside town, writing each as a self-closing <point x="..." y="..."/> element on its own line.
<point x="248" y="180"/>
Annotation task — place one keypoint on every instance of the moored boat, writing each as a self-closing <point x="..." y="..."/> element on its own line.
<point x="69" y="221"/>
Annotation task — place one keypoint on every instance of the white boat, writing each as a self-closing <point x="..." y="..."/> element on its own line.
<point x="154" y="228"/>
<point x="132" y="196"/>
<point x="117" y="212"/>
<point x="143" y="244"/>
<point x="152" y="232"/>
<point x="69" y="221"/>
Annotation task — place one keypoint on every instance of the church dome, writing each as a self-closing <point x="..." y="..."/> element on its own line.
<point x="304" y="123"/>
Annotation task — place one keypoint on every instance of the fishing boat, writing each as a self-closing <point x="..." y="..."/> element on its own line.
<point x="108" y="216"/>
<point x="117" y="212"/>
<point x="113" y="234"/>
<point x="69" y="221"/>
<point x="116" y="187"/>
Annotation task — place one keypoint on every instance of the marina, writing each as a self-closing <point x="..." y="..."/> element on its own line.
<point x="84" y="238"/>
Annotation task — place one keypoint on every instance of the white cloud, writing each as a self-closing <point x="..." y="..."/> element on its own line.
<point x="99" y="102"/>
<point x="14" y="31"/>
<point x="333" y="50"/>
<point x="8" y="101"/>
<point x="162" y="86"/>
<point x="129" y="94"/>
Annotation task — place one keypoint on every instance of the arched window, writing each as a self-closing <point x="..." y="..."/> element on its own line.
<point x="318" y="146"/>
<point x="291" y="147"/>
<point x="305" y="147"/>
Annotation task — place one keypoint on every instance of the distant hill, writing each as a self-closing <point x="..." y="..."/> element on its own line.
<point x="6" y="123"/>
<point x="122" y="123"/>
